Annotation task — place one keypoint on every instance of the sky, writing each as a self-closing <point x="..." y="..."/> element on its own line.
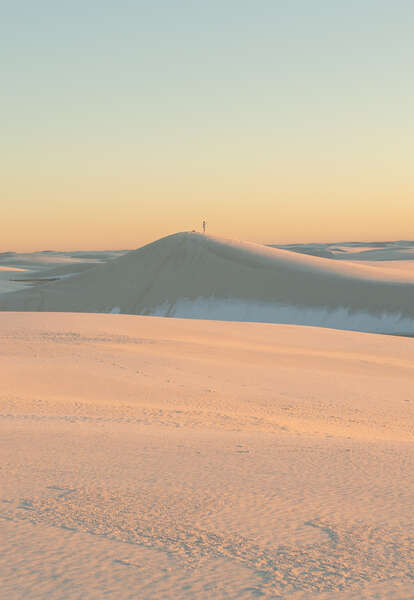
<point x="124" y="121"/>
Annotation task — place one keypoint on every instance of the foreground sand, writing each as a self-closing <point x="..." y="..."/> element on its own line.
<point x="162" y="458"/>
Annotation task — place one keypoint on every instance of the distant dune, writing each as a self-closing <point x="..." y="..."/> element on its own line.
<point x="197" y="276"/>
<point x="362" y="251"/>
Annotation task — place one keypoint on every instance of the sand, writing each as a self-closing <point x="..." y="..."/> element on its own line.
<point x="145" y="457"/>
<point x="197" y="276"/>
<point x="153" y="458"/>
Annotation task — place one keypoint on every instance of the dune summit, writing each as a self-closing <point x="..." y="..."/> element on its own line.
<point x="200" y="276"/>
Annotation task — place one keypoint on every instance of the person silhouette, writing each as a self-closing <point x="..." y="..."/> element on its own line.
<point x="204" y="226"/>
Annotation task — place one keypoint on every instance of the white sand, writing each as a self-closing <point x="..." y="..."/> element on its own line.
<point x="405" y="268"/>
<point x="18" y="271"/>
<point x="12" y="269"/>
<point x="7" y="276"/>
<point x="163" y="458"/>
<point x="191" y="275"/>
<point x="358" y="251"/>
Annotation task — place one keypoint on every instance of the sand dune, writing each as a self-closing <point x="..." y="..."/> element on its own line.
<point x="165" y="458"/>
<point x="357" y="251"/>
<point x="191" y="275"/>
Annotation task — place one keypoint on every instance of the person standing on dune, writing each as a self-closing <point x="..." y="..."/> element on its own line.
<point x="204" y="226"/>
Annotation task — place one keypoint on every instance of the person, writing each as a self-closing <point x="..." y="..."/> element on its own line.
<point x="204" y="226"/>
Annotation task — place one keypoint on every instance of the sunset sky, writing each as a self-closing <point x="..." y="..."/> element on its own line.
<point x="276" y="121"/>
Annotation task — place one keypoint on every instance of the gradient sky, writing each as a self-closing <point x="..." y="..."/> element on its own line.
<point x="123" y="121"/>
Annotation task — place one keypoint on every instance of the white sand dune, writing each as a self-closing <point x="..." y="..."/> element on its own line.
<point x="7" y="277"/>
<point x="58" y="270"/>
<point x="405" y="268"/>
<point x="191" y="275"/>
<point x="357" y="251"/>
<point x="166" y="458"/>
<point x="17" y="271"/>
<point x="11" y="269"/>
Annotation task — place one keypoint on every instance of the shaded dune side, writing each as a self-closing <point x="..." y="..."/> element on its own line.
<point x="189" y="267"/>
